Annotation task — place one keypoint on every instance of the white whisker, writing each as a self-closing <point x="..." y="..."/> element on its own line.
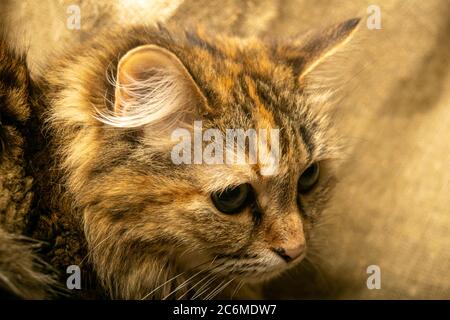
<point x="219" y="289"/>
<point x="182" y="285"/>
<point x="162" y="285"/>
<point x="206" y="286"/>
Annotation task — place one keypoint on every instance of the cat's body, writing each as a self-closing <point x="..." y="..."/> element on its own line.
<point x="22" y="273"/>
<point x="152" y="228"/>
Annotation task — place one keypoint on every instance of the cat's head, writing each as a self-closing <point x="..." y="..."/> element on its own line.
<point x="150" y="210"/>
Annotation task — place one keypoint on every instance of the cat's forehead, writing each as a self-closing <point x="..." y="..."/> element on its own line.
<point x="253" y="90"/>
<point x="228" y="68"/>
<point x="243" y="79"/>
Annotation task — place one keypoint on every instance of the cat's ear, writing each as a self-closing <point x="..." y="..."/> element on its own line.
<point x="310" y="50"/>
<point x="153" y="87"/>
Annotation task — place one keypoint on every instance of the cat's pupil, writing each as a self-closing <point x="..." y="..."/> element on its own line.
<point x="309" y="178"/>
<point x="232" y="200"/>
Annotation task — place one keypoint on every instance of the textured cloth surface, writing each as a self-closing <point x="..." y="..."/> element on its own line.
<point x="392" y="206"/>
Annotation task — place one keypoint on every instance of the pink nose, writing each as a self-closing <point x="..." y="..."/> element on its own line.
<point x="290" y="253"/>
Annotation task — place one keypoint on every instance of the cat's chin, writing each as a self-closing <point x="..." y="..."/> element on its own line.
<point x="274" y="266"/>
<point x="265" y="276"/>
<point x="274" y="271"/>
<point x="262" y="277"/>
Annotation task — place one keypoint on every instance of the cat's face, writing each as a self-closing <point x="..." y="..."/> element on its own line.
<point x="148" y="217"/>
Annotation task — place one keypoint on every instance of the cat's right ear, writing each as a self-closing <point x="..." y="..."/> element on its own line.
<point x="306" y="53"/>
<point x="153" y="87"/>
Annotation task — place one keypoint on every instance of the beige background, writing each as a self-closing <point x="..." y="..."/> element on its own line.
<point x="392" y="206"/>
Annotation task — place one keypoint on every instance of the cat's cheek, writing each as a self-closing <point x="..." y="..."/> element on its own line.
<point x="210" y="228"/>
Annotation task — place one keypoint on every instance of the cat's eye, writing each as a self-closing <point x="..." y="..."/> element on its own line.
<point x="309" y="178"/>
<point x="232" y="200"/>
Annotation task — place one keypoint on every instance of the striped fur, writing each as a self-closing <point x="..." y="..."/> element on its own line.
<point x="23" y="274"/>
<point x="151" y="229"/>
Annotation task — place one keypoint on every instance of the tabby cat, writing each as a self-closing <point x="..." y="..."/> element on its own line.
<point x="159" y="230"/>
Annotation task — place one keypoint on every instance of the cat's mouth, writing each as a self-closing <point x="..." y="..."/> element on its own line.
<point x="257" y="269"/>
<point x="248" y="268"/>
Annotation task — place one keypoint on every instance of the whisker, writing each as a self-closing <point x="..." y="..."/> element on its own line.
<point x="177" y="276"/>
<point x="220" y="289"/>
<point x="183" y="284"/>
<point x="212" y="291"/>
<point x="162" y="285"/>
<point x="198" y="282"/>
<point x="238" y="287"/>
<point x="193" y="287"/>
<point x="201" y="291"/>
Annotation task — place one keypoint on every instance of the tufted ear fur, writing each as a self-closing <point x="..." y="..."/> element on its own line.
<point x="309" y="51"/>
<point x="152" y="87"/>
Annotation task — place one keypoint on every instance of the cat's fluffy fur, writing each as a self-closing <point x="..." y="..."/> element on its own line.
<point x="147" y="220"/>
<point x="23" y="274"/>
<point x="149" y="225"/>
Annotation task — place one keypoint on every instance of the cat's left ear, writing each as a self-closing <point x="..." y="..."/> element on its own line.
<point x="305" y="54"/>
<point x="153" y="87"/>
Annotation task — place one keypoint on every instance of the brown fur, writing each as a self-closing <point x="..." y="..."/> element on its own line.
<point x="23" y="274"/>
<point x="147" y="220"/>
<point x="150" y="228"/>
